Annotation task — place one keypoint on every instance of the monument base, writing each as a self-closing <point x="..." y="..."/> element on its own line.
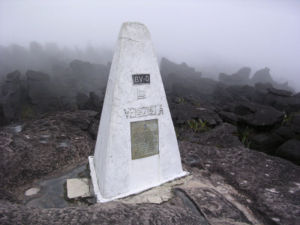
<point x="100" y="198"/>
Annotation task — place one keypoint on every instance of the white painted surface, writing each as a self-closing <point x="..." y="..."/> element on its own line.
<point x="78" y="187"/>
<point x="113" y="171"/>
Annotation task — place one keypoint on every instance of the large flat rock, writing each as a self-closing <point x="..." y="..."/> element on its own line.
<point x="229" y="185"/>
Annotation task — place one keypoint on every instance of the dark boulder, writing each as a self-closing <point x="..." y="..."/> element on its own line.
<point x="263" y="87"/>
<point x="182" y="113"/>
<point x="167" y="67"/>
<point x="82" y="100"/>
<point x="263" y="116"/>
<point x="290" y="150"/>
<point x="285" y="132"/>
<point x="278" y="92"/>
<point x="95" y="102"/>
<point x="173" y="73"/>
<point x="37" y="76"/>
<point x="40" y="91"/>
<point x="46" y="94"/>
<point x="241" y="77"/>
<point x="195" y="90"/>
<point x="295" y="123"/>
<point x="231" y="94"/>
<point x="262" y="76"/>
<point x="84" y="75"/>
<point x="91" y="102"/>
<point x="265" y="142"/>
<point x="253" y="115"/>
<point x="229" y="117"/>
<point x="11" y="96"/>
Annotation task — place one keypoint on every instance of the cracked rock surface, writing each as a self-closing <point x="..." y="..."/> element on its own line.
<point x="229" y="184"/>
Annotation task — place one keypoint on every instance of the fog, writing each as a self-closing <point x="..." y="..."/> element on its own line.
<point x="213" y="35"/>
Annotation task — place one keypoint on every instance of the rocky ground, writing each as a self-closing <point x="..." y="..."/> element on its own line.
<point x="239" y="137"/>
<point x="230" y="183"/>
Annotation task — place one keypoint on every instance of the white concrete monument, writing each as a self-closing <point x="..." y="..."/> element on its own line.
<point x="136" y="147"/>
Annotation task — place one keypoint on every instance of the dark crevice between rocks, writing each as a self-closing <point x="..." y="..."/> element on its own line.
<point x="189" y="202"/>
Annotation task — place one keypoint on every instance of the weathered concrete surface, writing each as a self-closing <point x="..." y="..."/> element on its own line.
<point x="158" y="194"/>
<point x="115" y="171"/>
<point x="78" y="187"/>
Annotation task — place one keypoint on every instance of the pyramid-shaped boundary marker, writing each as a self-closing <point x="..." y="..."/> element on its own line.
<point x="136" y="147"/>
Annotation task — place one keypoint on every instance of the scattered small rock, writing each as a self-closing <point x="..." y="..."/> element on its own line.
<point x="32" y="191"/>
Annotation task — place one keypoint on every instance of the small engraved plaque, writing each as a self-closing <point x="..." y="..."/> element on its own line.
<point x="144" y="138"/>
<point x="141" y="78"/>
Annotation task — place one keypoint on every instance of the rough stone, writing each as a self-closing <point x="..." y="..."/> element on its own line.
<point x="11" y="96"/>
<point x="181" y="113"/>
<point x="230" y="185"/>
<point x="38" y="143"/>
<point x="32" y="191"/>
<point x="255" y="115"/>
<point x="290" y="150"/>
<point x="241" y="77"/>
<point x="295" y="123"/>
<point x="266" y="142"/>
<point x="262" y="76"/>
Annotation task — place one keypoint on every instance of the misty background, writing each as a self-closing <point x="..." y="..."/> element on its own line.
<point x="212" y="36"/>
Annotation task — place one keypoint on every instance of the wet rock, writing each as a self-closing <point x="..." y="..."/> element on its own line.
<point x="37" y="144"/>
<point x="290" y="150"/>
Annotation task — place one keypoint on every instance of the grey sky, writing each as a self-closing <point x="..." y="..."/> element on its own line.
<point x="212" y="35"/>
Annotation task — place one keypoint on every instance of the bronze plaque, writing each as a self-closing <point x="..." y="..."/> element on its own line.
<point x="144" y="138"/>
